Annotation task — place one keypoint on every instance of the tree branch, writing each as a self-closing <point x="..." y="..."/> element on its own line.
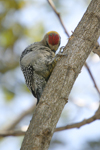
<point x="58" y="15"/>
<point x="96" y="49"/>
<point x="12" y="125"/>
<point x="12" y="133"/>
<point x="96" y="116"/>
<point x="90" y="73"/>
<point x="55" y="95"/>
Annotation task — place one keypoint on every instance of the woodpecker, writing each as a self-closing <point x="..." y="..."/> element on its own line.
<point x="37" y="62"/>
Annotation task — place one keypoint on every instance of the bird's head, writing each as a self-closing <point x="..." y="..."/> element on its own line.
<point x="52" y="40"/>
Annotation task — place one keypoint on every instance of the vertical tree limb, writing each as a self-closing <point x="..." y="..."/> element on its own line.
<point x="55" y="95"/>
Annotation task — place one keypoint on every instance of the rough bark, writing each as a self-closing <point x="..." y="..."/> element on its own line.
<point x="58" y="88"/>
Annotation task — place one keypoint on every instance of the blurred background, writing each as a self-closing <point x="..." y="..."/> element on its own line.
<point x="23" y="22"/>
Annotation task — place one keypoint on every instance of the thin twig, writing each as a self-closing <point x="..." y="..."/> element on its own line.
<point x="58" y="15"/>
<point x="12" y="133"/>
<point x="96" y="116"/>
<point x="71" y="126"/>
<point x="18" y="119"/>
<point x="90" y="73"/>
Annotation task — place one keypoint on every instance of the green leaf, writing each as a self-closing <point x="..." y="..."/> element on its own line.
<point x="8" y="95"/>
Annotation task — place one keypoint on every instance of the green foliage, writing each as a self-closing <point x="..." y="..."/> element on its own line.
<point x="12" y="32"/>
<point x="10" y="29"/>
<point x="9" y="95"/>
<point x="35" y="32"/>
<point x="92" y="145"/>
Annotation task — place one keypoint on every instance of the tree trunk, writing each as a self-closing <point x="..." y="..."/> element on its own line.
<point x="55" y="95"/>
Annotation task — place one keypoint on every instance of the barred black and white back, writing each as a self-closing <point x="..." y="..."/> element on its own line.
<point x="37" y="62"/>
